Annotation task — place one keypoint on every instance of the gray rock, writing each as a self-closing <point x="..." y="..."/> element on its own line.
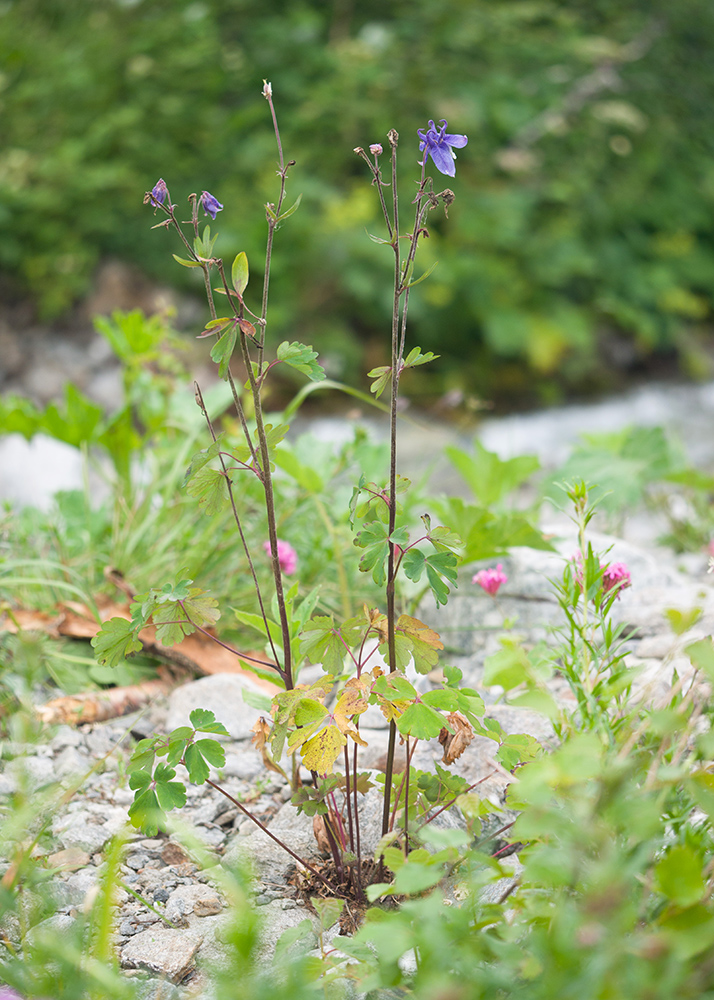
<point x="84" y="829"/>
<point x="221" y="694"/>
<point x="199" y="900"/>
<point x="161" y="950"/>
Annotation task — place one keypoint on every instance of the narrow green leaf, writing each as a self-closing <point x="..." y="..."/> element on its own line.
<point x="187" y="263"/>
<point x="240" y="273"/>
<point x="289" y="211"/>
<point x="222" y="350"/>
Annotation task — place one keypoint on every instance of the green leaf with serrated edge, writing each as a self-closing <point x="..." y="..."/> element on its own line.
<point x="197" y="767"/>
<point x="139" y="779"/>
<point x="273" y="435"/>
<point x="420" y="721"/>
<point x="321" y="642"/>
<point x="413" y="564"/>
<point x="171" y="795"/>
<point x="210" y="488"/>
<point x="393" y="687"/>
<point x="142" y="759"/>
<point x="441" y="565"/>
<point x="374" y="538"/>
<point x="212" y="751"/>
<point x="445" y="540"/>
<point x="205" y="721"/>
<point x="186" y="263"/>
<point x="145" y="813"/>
<point x="302" y="358"/>
<point x="115" y="641"/>
<point x="201" y="608"/>
<point x="222" y="350"/>
<point x="443" y="698"/>
<point x="182" y="733"/>
<point x="240" y="273"/>
<point x="415" y="357"/>
<point x="289" y="211"/>
<point x="309" y="710"/>
<point x="171" y="625"/>
<point x="517" y="748"/>
<point x="452" y="675"/>
<point x="199" y="460"/>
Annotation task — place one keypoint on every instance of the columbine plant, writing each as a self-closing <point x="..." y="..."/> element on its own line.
<point x="320" y="722"/>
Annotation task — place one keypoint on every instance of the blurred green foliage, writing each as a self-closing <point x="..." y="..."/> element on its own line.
<point x="580" y="238"/>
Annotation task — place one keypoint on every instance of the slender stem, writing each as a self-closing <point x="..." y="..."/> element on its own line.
<point x="236" y="518"/>
<point x="267" y="481"/>
<point x="348" y="798"/>
<point x="392" y="653"/>
<point x="272" y="836"/>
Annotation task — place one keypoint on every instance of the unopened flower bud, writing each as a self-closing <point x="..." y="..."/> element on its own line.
<point x="159" y="192"/>
<point x="210" y="205"/>
<point x="376" y="149"/>
<point x="267" y="89"/>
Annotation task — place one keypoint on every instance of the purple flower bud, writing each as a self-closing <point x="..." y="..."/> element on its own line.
<point x="376" y="149"/>
<point x="211" y="206"/>
<point x="159" y="192"/>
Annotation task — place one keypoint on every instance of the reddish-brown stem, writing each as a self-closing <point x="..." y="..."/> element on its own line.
<point x="272" y="836"/>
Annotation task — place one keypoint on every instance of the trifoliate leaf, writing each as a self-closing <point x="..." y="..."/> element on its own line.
<point x="205" y="721"/>
<point x="420" y="721"/>
<point x="116" y="640"/>
<point x="209" y="487"/>
<point x="415" y="357"/>
<point x="302" y="358"/>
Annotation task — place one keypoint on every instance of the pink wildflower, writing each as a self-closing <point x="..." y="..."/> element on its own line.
<point x="490" y="579"/>
<point x="287" y="556"/>
<point x="616" y="575"/>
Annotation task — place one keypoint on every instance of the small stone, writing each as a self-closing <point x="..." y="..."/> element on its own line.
<point x="174" y="854"/>
<point x="70" y="859"/>
<point x="161" y="895"/>
<point x="137" y="861"/>
<point x="202" y="900"/>
<point x="162" y="950"/>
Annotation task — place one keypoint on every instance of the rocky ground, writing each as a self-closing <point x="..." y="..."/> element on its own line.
<point x="171" y="908"/>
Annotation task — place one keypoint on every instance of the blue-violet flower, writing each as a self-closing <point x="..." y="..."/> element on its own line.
<point x="439" y="145"/>
<point x="159" y="192"/>
<point x="211" y="206"/>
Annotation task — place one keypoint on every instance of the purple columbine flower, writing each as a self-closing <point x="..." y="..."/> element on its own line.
<point x="210" y="205"/>
<point x="439" y="145"/>
<point x="159" y="192"/>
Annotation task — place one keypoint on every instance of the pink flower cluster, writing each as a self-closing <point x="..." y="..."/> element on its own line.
<point x="490" y="579"/>
<point x="287" y="556"/>
<point x="616" y="575"/>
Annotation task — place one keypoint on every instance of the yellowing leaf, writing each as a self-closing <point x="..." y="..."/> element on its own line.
<point x="418" y="630"/>
<point x="320" y="753"/>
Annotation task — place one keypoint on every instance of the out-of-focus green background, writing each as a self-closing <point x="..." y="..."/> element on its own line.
<point x="580" y="248"/>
